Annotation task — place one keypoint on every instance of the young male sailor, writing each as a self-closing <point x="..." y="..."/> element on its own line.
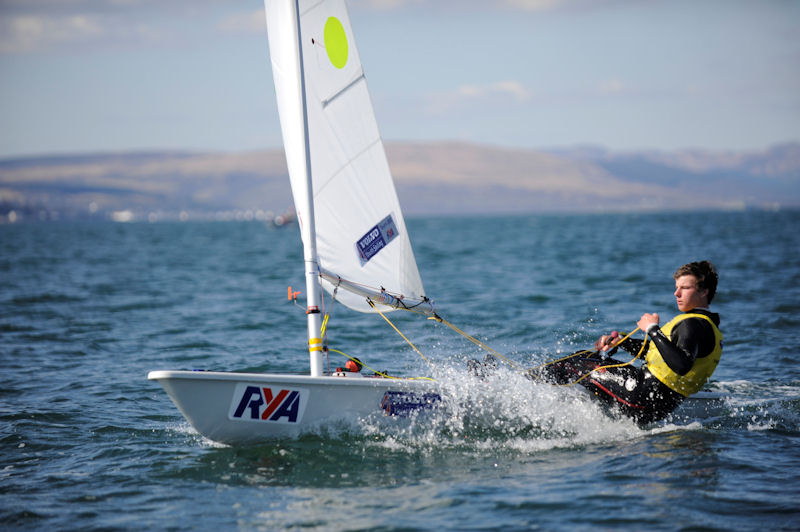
<point x="679" y="358"/>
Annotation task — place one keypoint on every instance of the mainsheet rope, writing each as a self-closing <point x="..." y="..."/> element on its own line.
<point x="509" y="362"/>
<point x="474" y="340"/>
<point x="371" y="304"/>
<point x="326" y="348"/>
<point x="376" y="372"/>
<point x="583" y="352"/>
<point x="619" y="365"/>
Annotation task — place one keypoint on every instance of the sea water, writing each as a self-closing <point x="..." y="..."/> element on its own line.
<point x="88" y="443"/>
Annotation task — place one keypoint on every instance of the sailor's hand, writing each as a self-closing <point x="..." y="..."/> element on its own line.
<point x="607" y="341"/>
<point x="647" y="320"/>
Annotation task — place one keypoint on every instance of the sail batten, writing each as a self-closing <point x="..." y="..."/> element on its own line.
<point x="327" y="101"/>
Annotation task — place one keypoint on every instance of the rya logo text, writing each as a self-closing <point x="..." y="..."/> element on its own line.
<point x="256" y="403"/>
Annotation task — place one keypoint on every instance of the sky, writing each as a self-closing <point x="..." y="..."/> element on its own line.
<point x="80" y="76"/>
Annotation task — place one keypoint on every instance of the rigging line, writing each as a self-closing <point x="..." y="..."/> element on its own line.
<point x="384" y="375"/>
<point x="322" y="328"/>
<point x="371" y="304"/>
<point x="477" y="342"/>
<point x="362" y="364"/>
<point x="399" y="301"/>
<point x="583" y="352"/>
<point x="396" y="295"/>
<point x="412" y="307"/>
<point x="328" y="313"/>
<point x="420" y="312"/>
<point x="575" y="354"/>
<point x="621" y="364"/>
<point x="328" y="275"/>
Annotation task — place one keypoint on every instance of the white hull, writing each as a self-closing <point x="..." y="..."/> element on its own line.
<point x="236" y="408"/>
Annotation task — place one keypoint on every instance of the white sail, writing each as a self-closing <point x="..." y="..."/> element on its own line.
<point x="361" y="235"/>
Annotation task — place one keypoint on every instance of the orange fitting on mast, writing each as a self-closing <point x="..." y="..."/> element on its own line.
<point x="292" y="295"/>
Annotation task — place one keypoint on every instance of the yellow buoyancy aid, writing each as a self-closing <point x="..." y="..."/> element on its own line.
<point x="702" y="368"/>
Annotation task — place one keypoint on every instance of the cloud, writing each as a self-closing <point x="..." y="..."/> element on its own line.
<point x="58" y="25"/>
<point x="535" y="5"/>
<point x="611" y="87"/>
<point x="501" y="89"/>
<point x="483" y="5"/>
<point x="28" y="33"/>
<point x="489" y="94"/>
<point x="385" y="4"/>
<point x="556" y="5"/>
<point x="249" y="22"/>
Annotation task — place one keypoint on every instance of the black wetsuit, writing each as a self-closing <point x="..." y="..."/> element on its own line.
<point x="634" y="390"/>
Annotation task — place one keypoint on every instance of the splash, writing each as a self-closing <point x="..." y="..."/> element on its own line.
<point x="505" y="410"/>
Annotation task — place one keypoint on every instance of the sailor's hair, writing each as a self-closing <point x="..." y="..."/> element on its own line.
<point x="704" y="272"/>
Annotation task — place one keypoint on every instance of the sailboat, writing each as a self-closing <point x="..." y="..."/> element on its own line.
<point x="355" y="241"/>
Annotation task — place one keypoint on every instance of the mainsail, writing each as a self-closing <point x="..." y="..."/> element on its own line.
<point x="352" y="207"/>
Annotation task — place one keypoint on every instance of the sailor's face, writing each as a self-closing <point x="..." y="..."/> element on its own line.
<point x="687" y="295"/>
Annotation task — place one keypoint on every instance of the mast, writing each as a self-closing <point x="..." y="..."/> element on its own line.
<point x="308" y="227"/>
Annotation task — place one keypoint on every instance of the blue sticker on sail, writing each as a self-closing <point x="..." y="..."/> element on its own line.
<point x="376" y="239"/>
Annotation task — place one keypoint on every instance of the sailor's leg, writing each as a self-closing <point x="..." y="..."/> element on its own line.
<point x="568" y="370"/>
<point x="619" y="387"/>
<point x="634" y="392"/>
<point x="656" y="398"/>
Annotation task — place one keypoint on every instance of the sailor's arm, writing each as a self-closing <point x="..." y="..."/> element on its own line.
<point x="610" y="342"/>
<point x="680" y="353"/>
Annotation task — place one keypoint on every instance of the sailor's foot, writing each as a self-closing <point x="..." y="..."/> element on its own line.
<point x="475" y="368"/>
<point x="482" y="370"/>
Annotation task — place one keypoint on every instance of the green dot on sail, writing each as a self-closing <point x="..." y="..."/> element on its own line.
<point x="336" y="42"/>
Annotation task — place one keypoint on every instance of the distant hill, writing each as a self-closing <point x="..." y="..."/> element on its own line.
<point x="757" y="179"/>
<point x="431" y="178"/>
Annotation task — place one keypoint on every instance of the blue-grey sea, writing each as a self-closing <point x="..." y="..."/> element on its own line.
<point x="88" y="443"/>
